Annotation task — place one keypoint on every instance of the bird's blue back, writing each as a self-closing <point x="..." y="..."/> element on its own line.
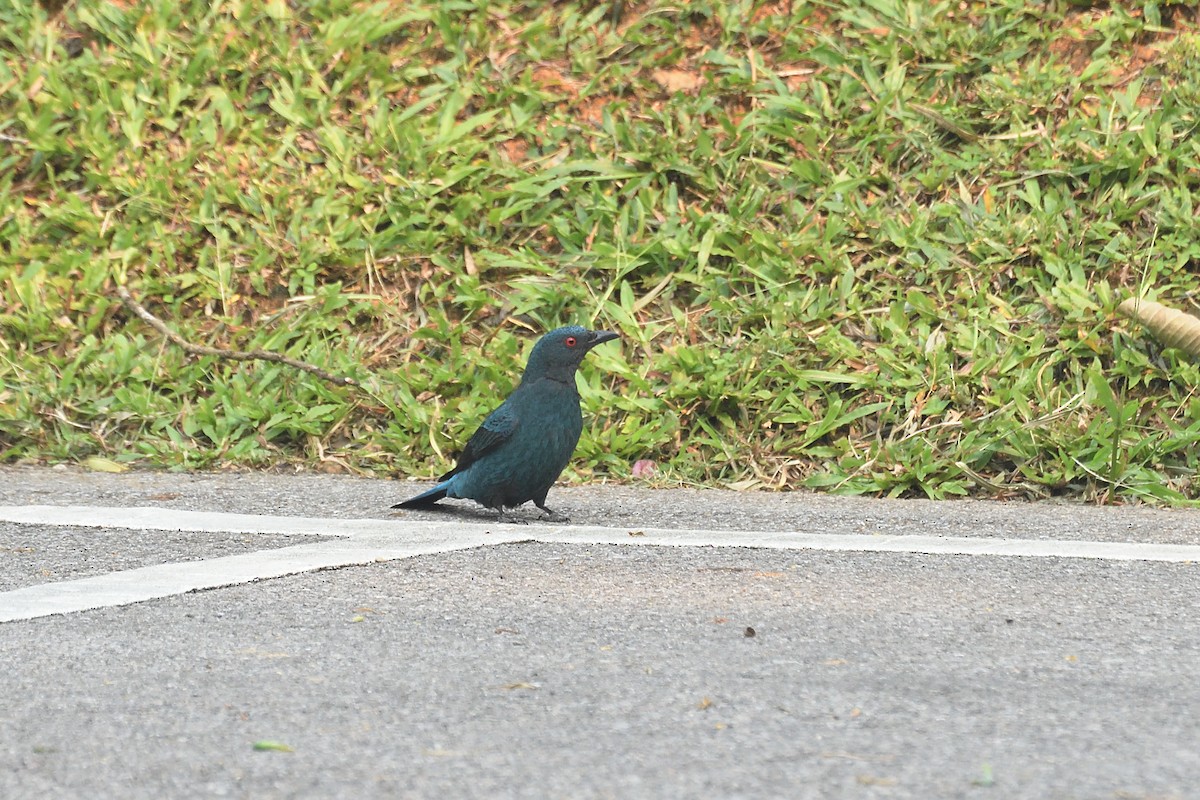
<point x="524" y="466"/>
<point x="524" y="445"/>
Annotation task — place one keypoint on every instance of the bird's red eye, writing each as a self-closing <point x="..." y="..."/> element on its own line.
<point x="570" y="341"/>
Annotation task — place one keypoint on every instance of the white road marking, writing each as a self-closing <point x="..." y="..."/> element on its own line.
<point x="873" y="543"/>
<point x="167" y="580"/>
<point x="364" y="541"/>
<point x="146" y="518"/>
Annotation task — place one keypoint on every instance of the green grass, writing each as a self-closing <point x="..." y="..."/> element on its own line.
<point x="866" y="247"/>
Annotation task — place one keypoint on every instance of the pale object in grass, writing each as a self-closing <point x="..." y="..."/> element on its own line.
<point x="1170" y="326"/>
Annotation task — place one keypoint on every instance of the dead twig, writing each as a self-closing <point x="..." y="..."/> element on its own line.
<point x="233" y="355"/>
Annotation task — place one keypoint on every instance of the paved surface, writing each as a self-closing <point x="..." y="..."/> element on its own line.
<point x="31" y="555"/>
<point x="568" y="666"/>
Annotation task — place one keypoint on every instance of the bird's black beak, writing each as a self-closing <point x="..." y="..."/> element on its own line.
<point x="600" y="337"/>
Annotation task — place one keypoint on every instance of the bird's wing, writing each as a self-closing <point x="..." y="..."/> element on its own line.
<point x="497" y="429"/>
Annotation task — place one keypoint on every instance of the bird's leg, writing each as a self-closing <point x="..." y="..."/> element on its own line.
<point x="510" y="518"/>
<point x="552" y="516"/>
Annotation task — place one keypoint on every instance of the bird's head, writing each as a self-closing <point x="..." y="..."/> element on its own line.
<point x="559" y="352"/>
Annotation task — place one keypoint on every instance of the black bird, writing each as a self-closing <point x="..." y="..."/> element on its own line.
<point x="524" y="445"/>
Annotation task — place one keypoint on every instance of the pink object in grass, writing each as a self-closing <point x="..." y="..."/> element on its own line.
<point x="644" y="468"/>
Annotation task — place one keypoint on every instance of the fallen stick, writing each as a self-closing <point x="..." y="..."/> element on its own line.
<point x="218" y="352"/>
<point x="1172" y="327"/>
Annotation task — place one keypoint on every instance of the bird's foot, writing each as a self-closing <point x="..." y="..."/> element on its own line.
<point x="511" y="518"/>
<point x="554" y="516"/>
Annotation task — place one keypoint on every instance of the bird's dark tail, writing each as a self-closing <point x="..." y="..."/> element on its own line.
<point x="426" y="499"/>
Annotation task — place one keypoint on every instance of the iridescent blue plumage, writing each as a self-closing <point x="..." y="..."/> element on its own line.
<point x="523" y="446"/>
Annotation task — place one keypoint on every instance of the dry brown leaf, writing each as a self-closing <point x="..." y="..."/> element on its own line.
<point x="549" y="77"/>
<point x="514" y="151"/>
<point x="677" y="80"/>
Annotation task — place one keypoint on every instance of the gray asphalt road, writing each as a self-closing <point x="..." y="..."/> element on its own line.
<point x="617" y="506"/>
<point x="554" y="670"/>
